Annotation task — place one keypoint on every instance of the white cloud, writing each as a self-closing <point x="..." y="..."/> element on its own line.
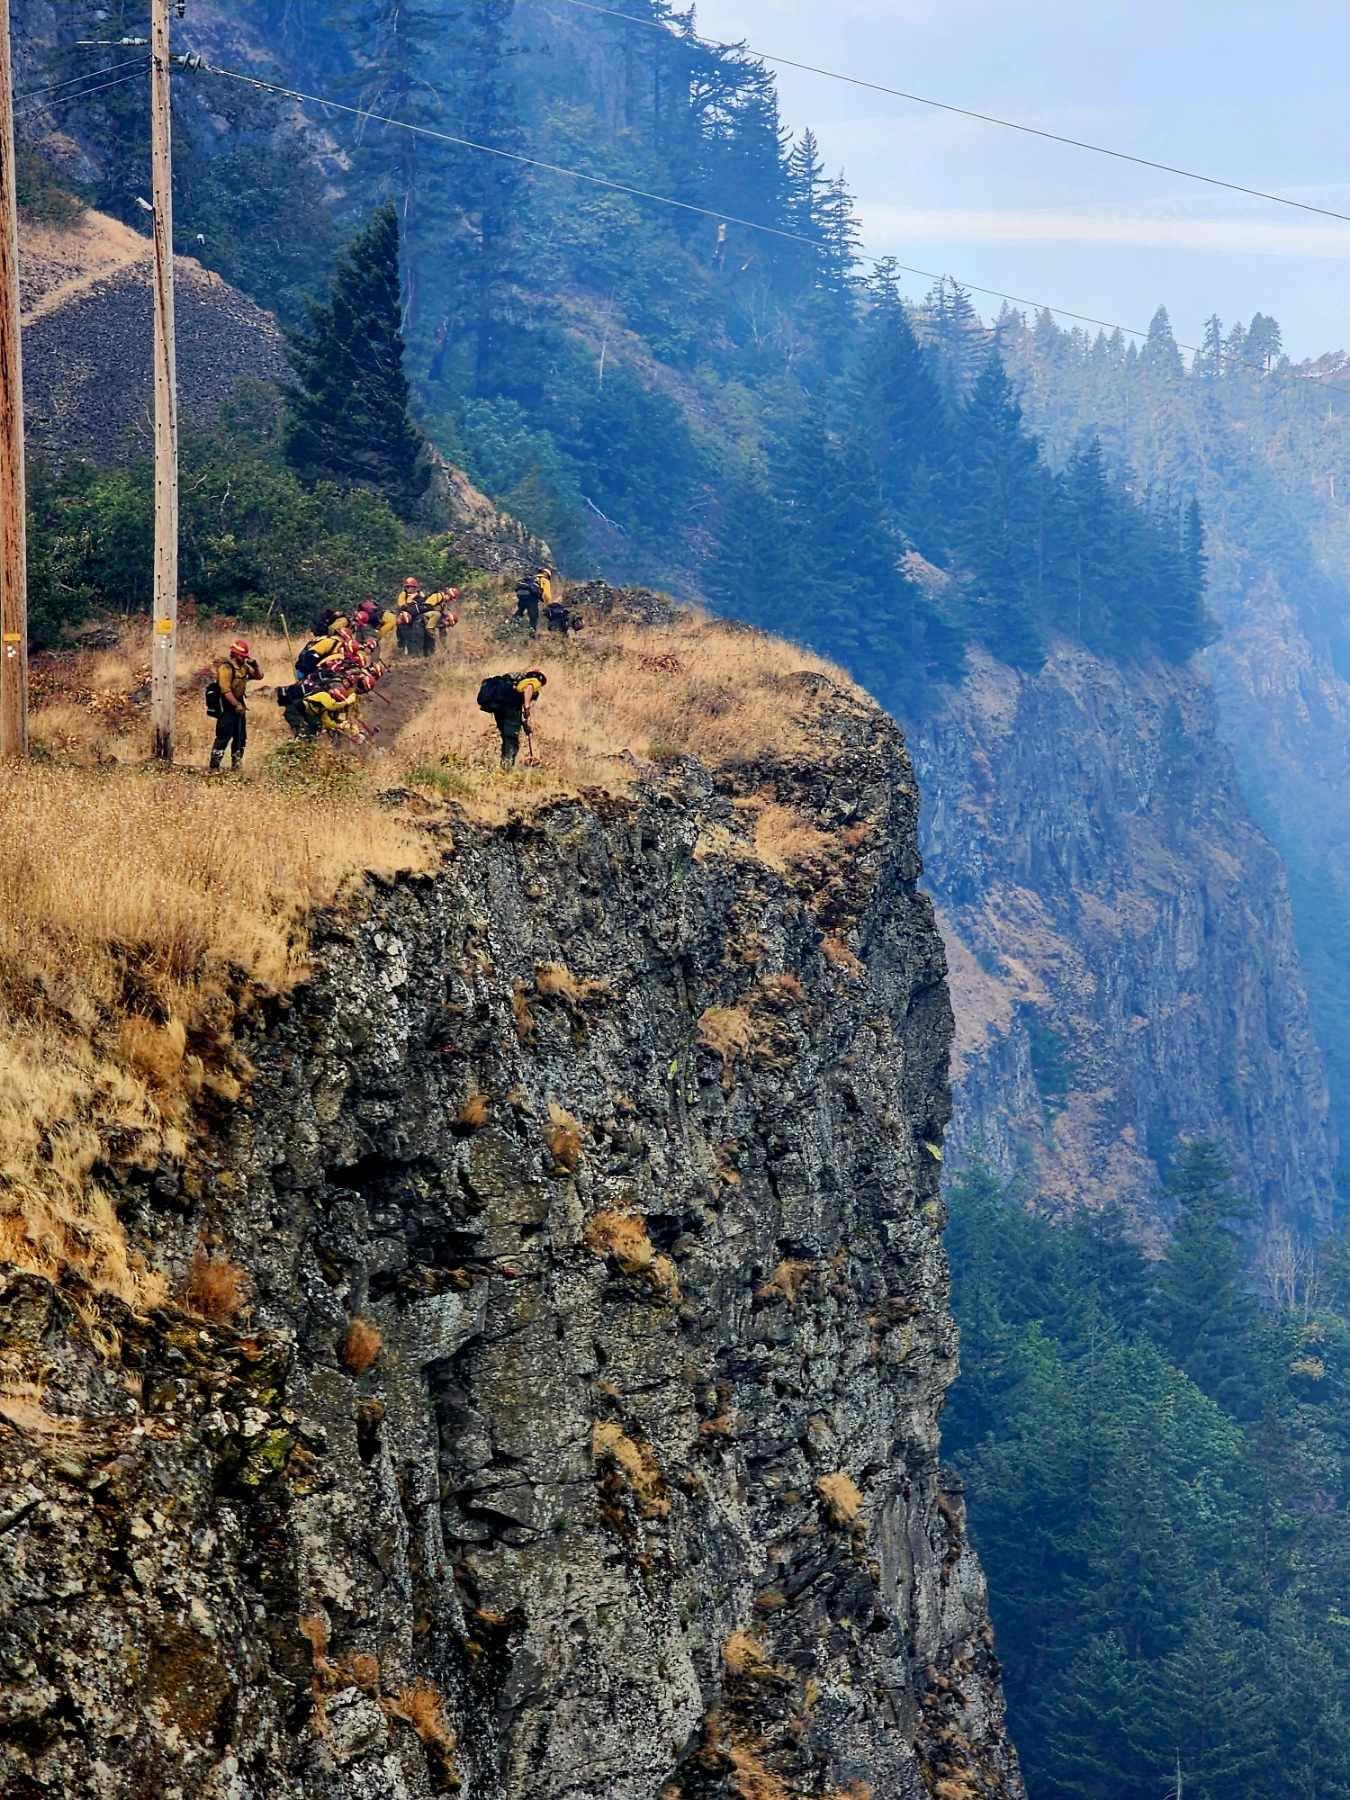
<point x="1248" y="237"/>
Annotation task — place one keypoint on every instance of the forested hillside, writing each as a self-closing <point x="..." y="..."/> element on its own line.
<point x="1159" y="1459"/>
<point x="1266" y="446"/>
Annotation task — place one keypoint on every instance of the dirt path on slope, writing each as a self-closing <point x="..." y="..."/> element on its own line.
<point x="58" y="264"/>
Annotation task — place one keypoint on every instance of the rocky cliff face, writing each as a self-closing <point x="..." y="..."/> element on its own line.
<point x="627" y="1147"/>
<point x="1122" y="952"/>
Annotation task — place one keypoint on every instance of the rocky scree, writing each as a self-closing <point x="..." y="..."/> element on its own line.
<point x="622" y="1151"/>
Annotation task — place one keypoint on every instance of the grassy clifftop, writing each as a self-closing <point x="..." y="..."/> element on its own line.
<point x="144" y="912"/>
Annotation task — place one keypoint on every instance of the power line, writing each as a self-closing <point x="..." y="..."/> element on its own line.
<point x="84" y="94"/>
<point x="70" y="80"/>
<point x="636" y="193"/>
<point x="966" y="112"/>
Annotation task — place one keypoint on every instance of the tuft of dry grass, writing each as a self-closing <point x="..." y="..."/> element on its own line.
<point x="838" y="954"/>
<point x="472" y="1116"/>
<point x="562" y="1135"/>
<point x="840" y="1496"/>
<point x="361" y="1670"/>
<point x="751" y="1779"/>
<point x="520" y="1012"/>
<point x="421" y="1706"/>
<point x="22" y="1404"/>
<point x="787" y="841"/>
<point x="623" y="1237"/>
<point x="361" y="1346"/>
<point x="743" y="1655"/>
<point x="555" y="981"/>
<point x="787" y="1281"/>
<point x="729" y="1032"/>
<point x="216" y="1289"/>
<point x="635" y="1464"/>
<point x="154" y="1051"/>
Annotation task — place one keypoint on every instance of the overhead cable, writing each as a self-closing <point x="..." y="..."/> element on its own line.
<point x="70" y="80"/>
<point x="84" y="94"/>
<point x="966" y="112"/>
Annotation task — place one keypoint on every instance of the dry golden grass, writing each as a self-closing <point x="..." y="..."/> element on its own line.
<point x="140" y="911"/>
<point x="562" y="1135"/>
<point x="555" y="981"/>
<point x="216" y="1289"/>
<point x="635" y="1464"/>
<point x="623" y="1236"/>
<point x="787" y="1281"/>
<point x="787" y="841"/>
<point x="840" y="1497"/>
<point x="361" y="1346"/>
<point x="22" y="1404"/>
<point x="622" y="692"/>
<point x="838" y="954"/>
<point x="472" y="1116"/>
<point x="751" y="1779"/>
<point x="420" y="1705"/>
<point x="729" y="1032"/>
<point x="743" y="1654"/>
<point x="520" y="1012"/>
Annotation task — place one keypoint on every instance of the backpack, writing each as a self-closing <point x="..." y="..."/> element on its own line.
<point x="290" y="696"/>
<point x="215" y="706"/>
<point x="306" y="663"/>
<point x="498" y="693"/>
<point x="529" y="591"/>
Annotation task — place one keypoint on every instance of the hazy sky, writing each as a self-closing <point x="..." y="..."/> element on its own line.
<point x="1254" y="93"/>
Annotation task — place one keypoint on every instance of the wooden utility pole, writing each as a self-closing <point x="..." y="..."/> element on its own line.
<point x="164" y="658"/>
<point x="13" y="500"/>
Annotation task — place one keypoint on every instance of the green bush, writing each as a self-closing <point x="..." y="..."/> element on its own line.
<point x="43" y="198"/>
<point x="255" y="540"/>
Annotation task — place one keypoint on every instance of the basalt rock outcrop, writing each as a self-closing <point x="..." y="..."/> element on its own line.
<point x="624" y="1150"/>
<point x="1122" y="949"/>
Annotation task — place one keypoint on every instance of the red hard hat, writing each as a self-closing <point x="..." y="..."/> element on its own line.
<point x="239" y="647"/>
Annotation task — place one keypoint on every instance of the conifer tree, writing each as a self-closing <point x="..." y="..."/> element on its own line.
<point x="347" y="406"/>
<point x="398" y="70"/>
<point x="895" y="412"/>
<point x="1209" y="361"/>
<point x="1160" y="357"/>
<point x="1204" y="1307"/>
<point x="999" y="520"/>
<point x="951" y="325"/>
<point x="806" y="190"/>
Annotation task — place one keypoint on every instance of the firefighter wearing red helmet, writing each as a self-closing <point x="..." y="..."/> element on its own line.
<point x="227" y="703"/>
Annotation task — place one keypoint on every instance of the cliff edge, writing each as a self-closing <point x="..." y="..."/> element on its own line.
<point x="583" y="1438"/>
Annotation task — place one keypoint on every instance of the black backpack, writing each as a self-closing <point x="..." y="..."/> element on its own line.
<point x="215" y="706"/>
<point x="306" y="663"/>
<point x="498" y="693"/>
<point x="529" y="591"/>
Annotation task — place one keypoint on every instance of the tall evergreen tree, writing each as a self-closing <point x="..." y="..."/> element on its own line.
<point x="1204" y="1306"/>
<point x="399" y="71"/>
<point x="347" y="406"/>
<point x="1160" y="357"/>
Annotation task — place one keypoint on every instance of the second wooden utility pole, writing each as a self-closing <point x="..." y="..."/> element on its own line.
<point x="13" y="502"/>
<point x="164" y="657"/>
